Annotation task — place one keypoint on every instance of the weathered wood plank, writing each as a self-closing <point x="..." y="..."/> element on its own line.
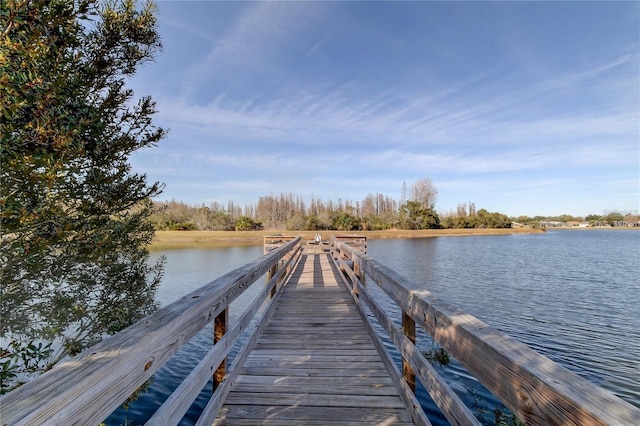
<point x="286" y="422"/>
<point x="314" y="326"/>
<point x="342" y="366"/>
<point x="325" y="372"/>
<point x="313" y="400"/>
<point x="307" y="352"/>
<point x="318" y="357"/>
<point x="296" y="345"/>
<point x="325" y="387"/>
<point x="317" y="339"/>
<point x="317" y="385"/>
<point x="301" y="415"/>
<point x="335" y="382"/>
<point x="314" y="320"/>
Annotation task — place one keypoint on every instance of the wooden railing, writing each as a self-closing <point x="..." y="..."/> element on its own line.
<point x="536" y="389"/>
<point x="272" y="242"/>
<point x="89" y="387"/>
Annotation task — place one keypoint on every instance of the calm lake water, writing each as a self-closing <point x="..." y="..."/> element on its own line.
<point x="574" y="296"/>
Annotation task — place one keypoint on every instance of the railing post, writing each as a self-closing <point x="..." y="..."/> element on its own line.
<point x="409" y="329"/>
<point x="219" y="329"/>
<point x="272" y="271"/>
<point x="359" y="273"/>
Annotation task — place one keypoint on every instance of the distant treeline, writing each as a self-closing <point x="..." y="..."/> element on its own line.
<point x="605" y="219"/>
<point x="290" y="212"/>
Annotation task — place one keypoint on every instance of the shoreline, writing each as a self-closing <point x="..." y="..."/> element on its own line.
<point x="211" y="239"/>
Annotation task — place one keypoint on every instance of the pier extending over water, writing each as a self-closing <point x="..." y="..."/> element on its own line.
<point x="310" y="354"/>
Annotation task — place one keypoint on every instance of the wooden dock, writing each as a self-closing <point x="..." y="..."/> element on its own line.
<point x="312" y="353"/>
<point x="314" y="362"/>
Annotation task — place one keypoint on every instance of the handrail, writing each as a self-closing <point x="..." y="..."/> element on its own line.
<point x="89" y="387"/>
<point x="536" y="389"/>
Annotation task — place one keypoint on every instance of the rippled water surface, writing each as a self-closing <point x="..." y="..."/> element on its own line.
<point x="573" y="295"/>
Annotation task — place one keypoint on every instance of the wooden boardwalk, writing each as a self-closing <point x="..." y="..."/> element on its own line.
<point x="314" y="362"/>
<point x="311" y="358"/>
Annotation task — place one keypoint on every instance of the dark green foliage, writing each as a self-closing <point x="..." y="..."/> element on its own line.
<point x="485" y="219"/>
<point x="471" y="218"/>
<point x="497" y="416"/>
<point x="343" y="221"/>
<point x="437" y="356"/>
<point x="312" y="223"/>
<point x="611" y="218"/>
<point x="177" y="216"/>
<point x="245" y="223"/>
<point x="505" y="418"/>
<point x="74" y="217"/>
<point x="414" y="215"/>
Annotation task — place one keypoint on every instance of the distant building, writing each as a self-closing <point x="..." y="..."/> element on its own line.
<point x="552" y="224"/>
<point x="576" y="224"/>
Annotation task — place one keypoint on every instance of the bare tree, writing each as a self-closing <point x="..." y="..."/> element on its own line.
<point x="424" y="192"/>
<point x="403" y="197"/>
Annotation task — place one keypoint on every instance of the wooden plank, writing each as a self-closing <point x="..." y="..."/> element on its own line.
<point x="337" y="382"/>
<point x="317" y="339"/>
<point x="313" y="400"/>
<point x="324" y="372"/>
<point x="310" y="345"/>
<point x="302" y="415"/>
<point x="324" y="387"/>
<point x="342" y="366"/>
<point x="301" y="352"/>
<point x="280" y="422"/>
<point x="313" y="320"/>
<point x="318" y="356"/>
<point x="315" y="327"/>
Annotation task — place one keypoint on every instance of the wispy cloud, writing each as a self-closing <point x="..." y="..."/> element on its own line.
<point x="258" y="39"/>
<point x="286" y="91"/>
<point x="507" y="115"/>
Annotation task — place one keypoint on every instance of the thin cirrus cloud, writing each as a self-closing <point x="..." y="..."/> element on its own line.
<point x="501" y="117"/>
<point x="257" y="39"/>
<point x="275" y="90"/>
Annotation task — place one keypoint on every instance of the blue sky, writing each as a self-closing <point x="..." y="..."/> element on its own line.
<point x="520" y="107"/>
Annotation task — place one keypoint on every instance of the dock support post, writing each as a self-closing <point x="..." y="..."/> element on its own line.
<point x="409" y="329"/>
<point x="219" y="329"/>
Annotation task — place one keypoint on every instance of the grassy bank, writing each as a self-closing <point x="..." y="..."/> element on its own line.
<point x="194" y="239"/>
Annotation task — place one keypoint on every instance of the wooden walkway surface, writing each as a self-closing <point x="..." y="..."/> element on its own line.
<point x="314" y="362"/>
